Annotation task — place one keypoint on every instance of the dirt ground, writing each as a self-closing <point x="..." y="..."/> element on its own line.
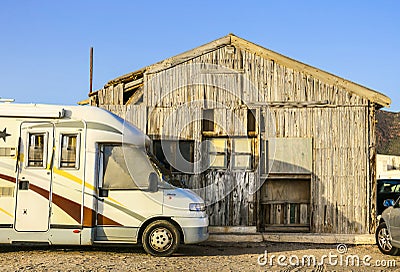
<point x="203" y="257"/>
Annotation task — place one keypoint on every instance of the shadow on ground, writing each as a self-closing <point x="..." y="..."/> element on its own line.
<point x="203" y="249"/>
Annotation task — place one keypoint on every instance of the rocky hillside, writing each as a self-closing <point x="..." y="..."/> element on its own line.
<point x="388" y="132"/>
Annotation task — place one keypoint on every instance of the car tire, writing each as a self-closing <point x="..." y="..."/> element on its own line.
<point x="384" y="241"/>
<point x="160" y="238"/>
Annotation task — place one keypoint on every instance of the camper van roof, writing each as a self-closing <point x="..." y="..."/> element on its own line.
<point x="89" y="114"/>
<point x="53" y="111"/>
<point x="31" y="110"/>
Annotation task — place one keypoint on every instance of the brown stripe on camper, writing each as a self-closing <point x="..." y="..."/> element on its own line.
<point x="8" y="178"/>
<point x="102" y="220"/>
<point x="72" y="208"/>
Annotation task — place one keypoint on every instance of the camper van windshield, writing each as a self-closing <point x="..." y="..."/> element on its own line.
<point x="161" y="170"/>
<point x="130" y="164"/>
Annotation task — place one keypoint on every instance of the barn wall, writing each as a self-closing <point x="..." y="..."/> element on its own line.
<point x="338" y="121"/>
<point x="340" y="179"/>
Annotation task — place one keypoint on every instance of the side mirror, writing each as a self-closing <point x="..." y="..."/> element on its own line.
<point x="388" y="203"/>
<point x="153" y="182"/>
<point x="103" y="192"/>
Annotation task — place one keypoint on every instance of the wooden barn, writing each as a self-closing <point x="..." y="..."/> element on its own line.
<point x="269" y="142"/>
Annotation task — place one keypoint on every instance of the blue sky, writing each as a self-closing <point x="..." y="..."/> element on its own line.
<point x="44" y="45"/>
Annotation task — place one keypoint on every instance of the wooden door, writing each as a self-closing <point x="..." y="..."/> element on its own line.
<point x="286" y="174"/>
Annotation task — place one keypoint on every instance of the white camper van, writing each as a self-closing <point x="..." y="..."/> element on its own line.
<point x="73" y="175"/>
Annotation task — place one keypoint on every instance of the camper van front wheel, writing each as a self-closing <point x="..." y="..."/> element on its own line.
<point x="160" y="238"/>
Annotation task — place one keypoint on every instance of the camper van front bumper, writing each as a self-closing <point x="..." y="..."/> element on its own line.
<point x="195" y="234"/>
<point x="195" y="230"/>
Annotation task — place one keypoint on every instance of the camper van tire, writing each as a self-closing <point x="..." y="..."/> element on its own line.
<point x="160" y="238"/>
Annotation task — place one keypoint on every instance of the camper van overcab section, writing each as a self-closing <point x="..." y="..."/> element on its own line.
<point x="72" y="175"/>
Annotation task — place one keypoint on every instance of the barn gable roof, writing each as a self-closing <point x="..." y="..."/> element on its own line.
<point x="137" y="76"/>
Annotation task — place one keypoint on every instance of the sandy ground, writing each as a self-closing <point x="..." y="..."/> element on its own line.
<point x="203" y="257"/>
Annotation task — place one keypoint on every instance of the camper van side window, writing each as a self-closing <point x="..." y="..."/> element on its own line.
<point x="36" y="149"/>
<point x="116" y="172"/>
<point x="69" y="151"/>
<point x="125" y="167"/>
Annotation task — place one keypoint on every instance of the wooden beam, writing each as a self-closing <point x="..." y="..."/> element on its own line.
<point x="126" y="78"/>
<point x="188" y="55"/>
<point x="294" y="104"/>
<point x="84" y="102"/>
<point x="351" y="239"/>
<point x="132" y="84"/>
<point x="286" y="176"/>
<point x="135" y="97"/>
<point x="239" y="238"/>
<point x="233" y="229"/>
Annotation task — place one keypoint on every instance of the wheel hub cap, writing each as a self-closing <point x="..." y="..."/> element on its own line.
<point x="384" y="240"/>
<point x="161" y="239"/>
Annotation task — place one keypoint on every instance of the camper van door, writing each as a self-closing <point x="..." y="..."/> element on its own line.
<point x="35" y="177"/>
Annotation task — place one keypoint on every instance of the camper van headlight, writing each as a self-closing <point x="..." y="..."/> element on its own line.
<point x="197" y="207"/>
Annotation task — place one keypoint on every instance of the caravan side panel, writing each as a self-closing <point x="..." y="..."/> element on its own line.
<point x="8" y="152"/>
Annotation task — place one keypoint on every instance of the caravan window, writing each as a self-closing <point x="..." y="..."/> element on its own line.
<point x="37" y="149"/>
<point x="125" y="167"/>
<point x="69" y="151"/>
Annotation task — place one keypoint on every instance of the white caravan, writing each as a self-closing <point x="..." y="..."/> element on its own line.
<point x="73" y="175"/>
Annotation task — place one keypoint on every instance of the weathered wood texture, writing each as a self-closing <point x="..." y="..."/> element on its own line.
<point x="339" y="121"/>
<point x="372" y="168"/>
<point x="340" y="178"/>
<point x="257" y="80"/>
